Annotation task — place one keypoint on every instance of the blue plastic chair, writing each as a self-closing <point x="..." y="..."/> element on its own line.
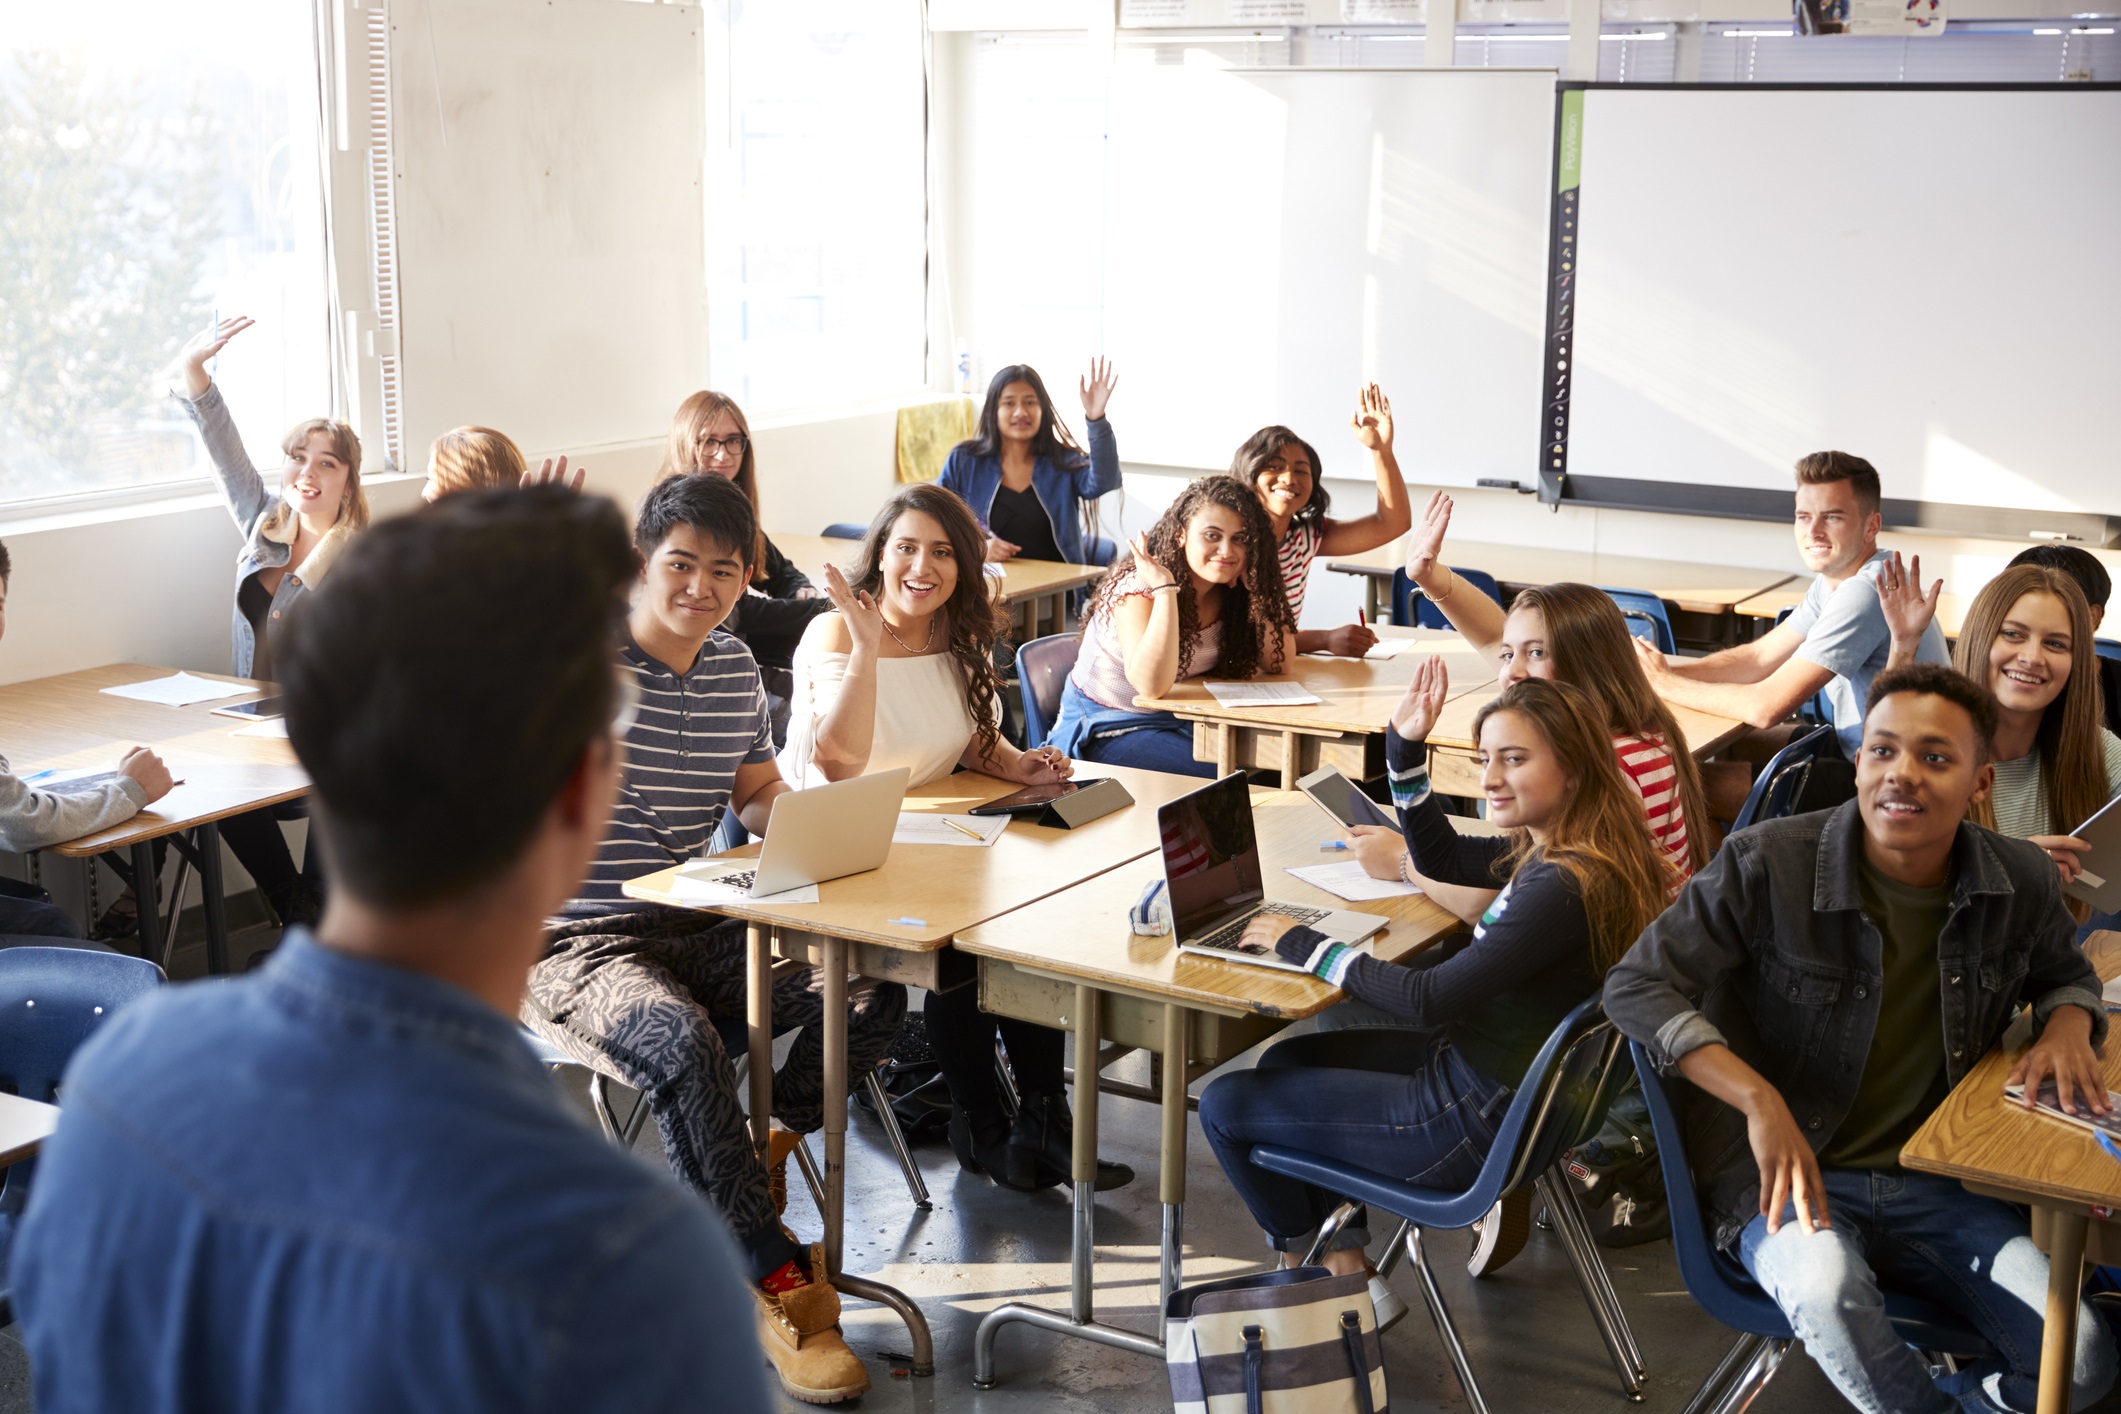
<point x="845" y="530"/>
<point x="51" y="1000"/>
<point x="1042" y="667"/>
<point x="1646" y="615"/>
<point x="1560" y="1104"/>
<point x="2107" y="648"/>
<point x="1102" y="549"/>
<point x="1721" y="1286"/>
<point x="1411" y="606"/>
<point x="1775" y="788"/>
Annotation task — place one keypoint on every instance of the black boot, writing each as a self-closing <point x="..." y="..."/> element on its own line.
<point x="1042" y="1148"/>
<point x="981" y="1141"/>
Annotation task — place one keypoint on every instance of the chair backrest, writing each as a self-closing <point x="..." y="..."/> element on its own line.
<point x="1774" y="791"/>
<point x="1646" y="616"/>
<point x="845" y="530"/>
<point x="1102" y="549"/>
<point x="1563" y="1098"/>
<point x="2107" y="648"/>
<point x="51" y="999"/>
<point x="1042" y="667"/>
<point x="1411" y="606"/>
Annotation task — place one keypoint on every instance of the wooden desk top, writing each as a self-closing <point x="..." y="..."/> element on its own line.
<point x="1359" y="693"/>
<point x="67" y="721"/>
<point x="1703" y="588"/>
<point x="1704" y="731"/>
<point x="24" y="1126"/>
<point x="952" y="887"/>
<point x="1021" y="579"/>
<point x="1951" y="608"/>
<point x="1081" y="933"/>
<point x="1978" y="1137"/>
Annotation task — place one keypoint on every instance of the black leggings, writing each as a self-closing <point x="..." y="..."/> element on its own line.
<point x="255" y="839"/>
<point x="963" y="1038"/>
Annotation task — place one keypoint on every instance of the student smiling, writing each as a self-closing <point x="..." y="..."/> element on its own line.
<point x="1023" y="475"/>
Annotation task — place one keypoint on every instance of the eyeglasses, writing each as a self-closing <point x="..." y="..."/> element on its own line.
<point x="731" y="446"/>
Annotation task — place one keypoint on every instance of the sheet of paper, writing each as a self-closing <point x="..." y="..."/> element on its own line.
<point x="54" y="777"/>
<point x="970" y="830"/>
<point x="1349" y="882"/>
<point x="1261" y="694"/>
<point x="703" y="883"/>
<point x="1393" y="647"/>
<point x="2112" y="994"/>
<point x="273" y="727"/>
<point x="179" y="690"/>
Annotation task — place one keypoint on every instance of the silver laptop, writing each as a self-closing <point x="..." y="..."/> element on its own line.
<point x="826" y="832"/>
<point x="1212" y="873"/>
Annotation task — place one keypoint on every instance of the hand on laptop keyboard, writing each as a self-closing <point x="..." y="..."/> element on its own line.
<point x="1227" y="936"/>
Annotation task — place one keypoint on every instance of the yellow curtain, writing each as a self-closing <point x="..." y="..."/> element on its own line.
<point x="927" y="432"/>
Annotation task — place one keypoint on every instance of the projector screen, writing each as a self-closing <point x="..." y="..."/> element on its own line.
<point x="1922" y="277"/>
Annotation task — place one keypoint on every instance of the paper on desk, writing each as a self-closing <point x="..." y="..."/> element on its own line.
<point x="2111" y="993"/>
<point x="931" y="829"/>
<point x="1348" y="881"/>
<point x="1393" y="647"/>
<point x="274" y="726"/>
<point x="1261" y="694"/>
<point x="179" y="690"/>
<point x="54" y="777"/>
<point x="703" y="883"/>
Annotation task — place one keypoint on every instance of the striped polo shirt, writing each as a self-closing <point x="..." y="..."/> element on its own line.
<point x="691" y="733"/>
<point x="1647" y="763"/>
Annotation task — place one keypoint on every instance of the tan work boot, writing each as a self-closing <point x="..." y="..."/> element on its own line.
<point x="780" y="1143"/>
<point x="800" y="1330"/>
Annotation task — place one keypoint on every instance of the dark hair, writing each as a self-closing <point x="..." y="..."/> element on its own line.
<point x="716" y="508"/>
<point x="1255" y="609"/>
<point x="1263" y="444"/>
<point x="681" y="448"/>
<point x="970" y="615"/>
<point x="1939" y="681"/>
<point x="431" y="771"/>
<point x="1052" y="440"/>
<point x="2081" y="565"/>
<point x="7" y="566"/>
<point x="1826" y="468"/>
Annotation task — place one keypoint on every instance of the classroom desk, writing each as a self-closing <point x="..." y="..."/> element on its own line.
<point x="1345" y="730"/>
<point x="1070" y="962"/>
<point x="1951" y="608"/>
<point x="1454" y="770"/>
<point x="1695" y="588"/>
<point x="1039" y="587"/>
<point x="847" y="930"/>
<point x="67" y="721"/>
<point x="24" y="1126"/>
<point x="2058" y="1171"/>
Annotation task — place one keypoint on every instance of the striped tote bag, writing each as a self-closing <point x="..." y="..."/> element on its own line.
<point x="1296" y="1341"/>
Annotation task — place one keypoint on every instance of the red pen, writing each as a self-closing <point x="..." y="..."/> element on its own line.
<point x="1361" y="618"/>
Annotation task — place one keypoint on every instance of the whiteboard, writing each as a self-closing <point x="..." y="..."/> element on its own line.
<point x="1921" y="277"/>
<point x="1275" y="238"/>
<point x="551" y="246"/>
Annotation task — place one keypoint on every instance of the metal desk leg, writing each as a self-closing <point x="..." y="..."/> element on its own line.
<point x="213" y="898"/>
<point x="2065" y="1279"/>
<point x="1171" y="1157"/>
<point x="758" y="1030"/>
<point x="1370" y="598"/>
<point x="1081" y="1319"/>
<point x="147" y="899"/>
<point x="832" y="962"/>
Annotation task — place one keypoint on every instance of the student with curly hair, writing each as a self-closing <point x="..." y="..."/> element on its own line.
<point x="1202" y="595"/>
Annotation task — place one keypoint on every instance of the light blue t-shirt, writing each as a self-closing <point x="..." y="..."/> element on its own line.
<point x="1845" y="632"/>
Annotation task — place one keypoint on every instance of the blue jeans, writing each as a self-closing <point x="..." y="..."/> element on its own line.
<point x="1394" y="1100"/>
<point x="1165" y="746"/>
<point x="1923" y="1234"/>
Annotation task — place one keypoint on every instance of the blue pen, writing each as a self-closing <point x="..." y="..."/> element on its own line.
<point x="40" y="775"/>
<point x="1332" y="844"/>
<point x="2113" y="1150"/>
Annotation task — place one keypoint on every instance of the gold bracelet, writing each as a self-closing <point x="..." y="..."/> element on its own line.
<point x="1435" y="598"/>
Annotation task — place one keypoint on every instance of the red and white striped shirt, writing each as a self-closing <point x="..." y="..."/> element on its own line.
<point x="1647" y="763"/>
<point x="1295" y="554"/>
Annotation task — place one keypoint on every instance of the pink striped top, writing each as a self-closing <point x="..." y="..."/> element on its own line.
<point x="1297" y="550"/>
<point x="1647" y="763"/>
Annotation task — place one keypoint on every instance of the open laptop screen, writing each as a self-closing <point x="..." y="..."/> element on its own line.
<point x="1211" y="857"/>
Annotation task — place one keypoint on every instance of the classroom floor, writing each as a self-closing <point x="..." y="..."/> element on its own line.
<point x="1527" y="1330"/>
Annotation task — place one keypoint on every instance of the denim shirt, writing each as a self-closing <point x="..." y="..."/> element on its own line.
<point x="243" y="492"/>
<point x="1059" y="488"/>
<point x="334" y="1185"/>
<point x="1768" y="951"/>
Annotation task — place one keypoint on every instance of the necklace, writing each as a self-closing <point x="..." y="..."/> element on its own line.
<point x="915" y="652"/>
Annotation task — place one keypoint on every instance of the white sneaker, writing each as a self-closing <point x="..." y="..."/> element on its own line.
<point x="1387" y="1303"/>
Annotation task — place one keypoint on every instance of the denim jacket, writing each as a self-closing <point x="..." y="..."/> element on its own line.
<point x="265" y="546"/>
<point x="1059" y="488"/>
<point x="1768" y="950"/>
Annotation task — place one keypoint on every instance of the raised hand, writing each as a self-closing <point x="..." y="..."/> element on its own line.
<point x="1096" y="388"/>
<point x="1418" y="710"/>
<point x="1148" y="570"/>
<point x="202" y="346"/>
<point x="1372" y="418"/>
<point x="1908" y="611"/>
<point x="1425" y="541"/>
<point x="865" y="622"/>
<point x="554" y="473"/>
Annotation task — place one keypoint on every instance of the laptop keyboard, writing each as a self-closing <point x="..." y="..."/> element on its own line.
<point x="1226" y="936"/>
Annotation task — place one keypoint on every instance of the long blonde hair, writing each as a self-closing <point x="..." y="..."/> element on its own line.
<point x="1600" y="839"/>
<point x="1591" y="648"/>
<point x="474" y="459"/>
<point x="2072" y="755"/>
<point x="680" y="457"/>
<point x="346" y="446"/>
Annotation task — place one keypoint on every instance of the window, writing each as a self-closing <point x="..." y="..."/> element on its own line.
<point x="816" y="200"/>
<point x="160" y="164"/>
